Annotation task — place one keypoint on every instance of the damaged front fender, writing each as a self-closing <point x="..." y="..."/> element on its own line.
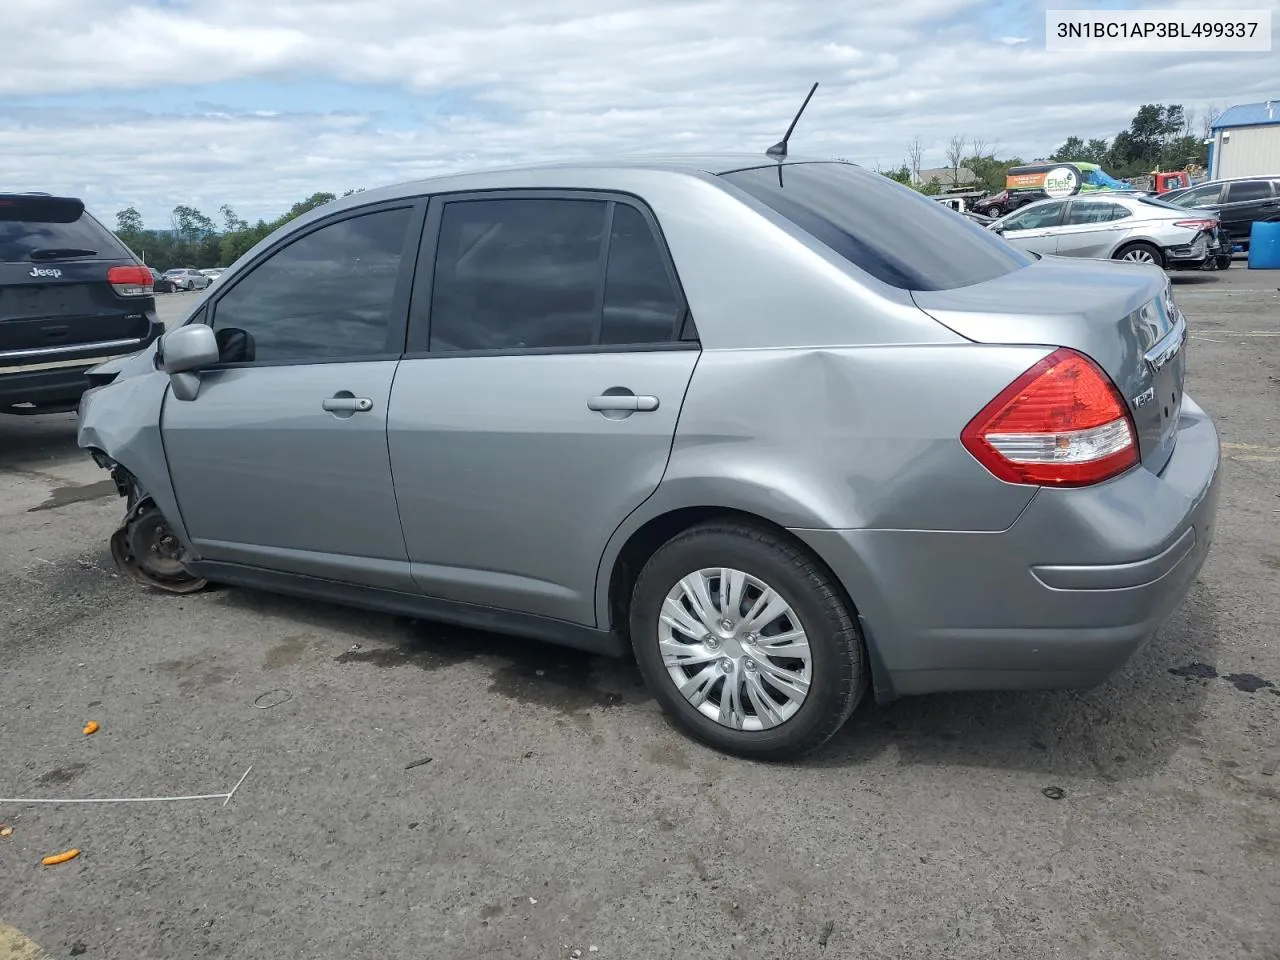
<point x="119" y="424"/>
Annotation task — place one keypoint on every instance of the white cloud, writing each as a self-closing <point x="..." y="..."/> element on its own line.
<point x="560" y="78"/>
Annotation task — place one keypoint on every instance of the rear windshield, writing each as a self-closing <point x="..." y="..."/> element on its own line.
<point x="1161" y="203"/>
<point x="37" y="229"/>
<point x="893" y="233"/>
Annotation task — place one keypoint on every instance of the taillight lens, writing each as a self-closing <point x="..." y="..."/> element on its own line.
<point x="130" y="281"/>
<point x="1060" y="424"/>
<point x="1209" y="225"/>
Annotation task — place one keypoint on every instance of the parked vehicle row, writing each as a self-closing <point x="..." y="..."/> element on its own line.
<point x="788" y="431"/>
<point x="1118" y="226"/>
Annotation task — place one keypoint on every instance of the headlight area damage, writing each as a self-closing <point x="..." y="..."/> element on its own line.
<point x="119" y="427"/>
<point x="145" y="547"/>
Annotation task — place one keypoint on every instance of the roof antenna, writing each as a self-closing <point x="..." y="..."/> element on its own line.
<point x="779" y="149"/>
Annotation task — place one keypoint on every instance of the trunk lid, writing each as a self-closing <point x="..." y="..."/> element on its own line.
<point x="1121" y="315"/>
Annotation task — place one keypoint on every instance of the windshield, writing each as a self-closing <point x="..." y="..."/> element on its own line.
<point x="885" y="229"/>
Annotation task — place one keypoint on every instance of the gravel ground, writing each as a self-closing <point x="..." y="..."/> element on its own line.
<point x="560" y="813"/>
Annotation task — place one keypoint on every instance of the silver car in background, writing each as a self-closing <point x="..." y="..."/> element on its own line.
<point x="1113" y="226"/>
<point x="784" y="431"/>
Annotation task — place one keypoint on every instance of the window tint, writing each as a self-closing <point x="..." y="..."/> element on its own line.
<point x="1200" y="195"/>
<point x="517" y="274"/>
<point x="640" y="305"/>
<point x="1092" y="212"/>
<point x="893" y="233"/>
<point x="1037" y="217"/>
<point x="36" y="226"/>
<point x="1248" y="190"/>
<point x="327" y="295"/>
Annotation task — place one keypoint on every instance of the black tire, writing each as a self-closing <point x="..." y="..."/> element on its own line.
<point x="838" y="658"/>
<point x="995" y="213"/>
<point x="1224" y="263"/>
<point x="1141" y="246"/>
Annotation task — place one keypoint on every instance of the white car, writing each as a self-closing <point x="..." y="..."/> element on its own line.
<point x="213" y="273"/>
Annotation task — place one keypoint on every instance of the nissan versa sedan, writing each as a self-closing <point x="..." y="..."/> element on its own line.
<point x="1114" y="226"/>
<point x="786" y="431"/>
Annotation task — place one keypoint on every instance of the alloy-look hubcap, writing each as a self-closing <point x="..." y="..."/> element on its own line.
<point x="1139" y="256"/>
<point x="735" y="649"/>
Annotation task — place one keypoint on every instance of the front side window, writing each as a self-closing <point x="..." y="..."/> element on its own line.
<point x="535" y="273"/>
<point x="1247" y="190"/>
<point x="1037" y="217"/>
<point x="1200" y="195"/>
<point x="325" y="296"/>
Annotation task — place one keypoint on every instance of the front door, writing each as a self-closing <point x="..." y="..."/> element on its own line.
<point x="1034" y="228"/>
<point x="539" y="408"/>
<point x="281" y="460"/>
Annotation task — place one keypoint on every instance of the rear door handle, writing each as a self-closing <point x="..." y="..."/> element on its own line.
<point x="348" y="404"/>
<point x="625" y="401"/>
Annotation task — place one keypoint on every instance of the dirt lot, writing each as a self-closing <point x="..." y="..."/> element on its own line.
<point x="559" y="812"/>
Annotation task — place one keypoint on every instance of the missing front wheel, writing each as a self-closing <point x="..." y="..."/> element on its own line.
<point x="150" y="552"/>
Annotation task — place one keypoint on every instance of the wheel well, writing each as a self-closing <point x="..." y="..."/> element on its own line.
<point x="642" y="545"/>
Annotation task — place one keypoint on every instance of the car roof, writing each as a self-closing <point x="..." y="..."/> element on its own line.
<point x="516" y="176"/>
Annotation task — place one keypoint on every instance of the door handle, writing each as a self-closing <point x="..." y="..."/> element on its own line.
<point x="348" y="404"/>
<point x="624" y="401"/>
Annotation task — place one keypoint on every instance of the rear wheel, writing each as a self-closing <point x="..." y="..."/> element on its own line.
<point x="1140" y="252"/>
<point x="746" y="642"/>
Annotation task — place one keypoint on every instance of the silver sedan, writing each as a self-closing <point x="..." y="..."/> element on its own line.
<point x="787" y="432"/>
<point x="1113" y="226"/>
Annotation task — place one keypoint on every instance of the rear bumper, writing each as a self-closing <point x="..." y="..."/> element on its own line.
<point x="1189" y="255"/>
<point x="1063" y="598"/>
<point x="57" y="381"/>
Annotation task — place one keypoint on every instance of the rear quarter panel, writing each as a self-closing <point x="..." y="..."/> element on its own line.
<point x="838" y="438"/>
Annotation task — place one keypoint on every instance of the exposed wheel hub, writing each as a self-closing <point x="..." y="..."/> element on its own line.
<point x="148" y="551"/>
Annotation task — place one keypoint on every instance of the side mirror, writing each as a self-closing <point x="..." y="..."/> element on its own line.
<point x="184" y="351"/>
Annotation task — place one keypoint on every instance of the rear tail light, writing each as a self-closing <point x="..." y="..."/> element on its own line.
<point x="1197" y="224"/>
<point x="130" y="281"/>
<point x="1060" y="424"/>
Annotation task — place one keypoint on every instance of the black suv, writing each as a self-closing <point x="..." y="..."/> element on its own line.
<point x="1239" y="202"/>
<point x="71" y="296"/>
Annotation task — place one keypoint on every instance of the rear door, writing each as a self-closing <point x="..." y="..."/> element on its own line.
<point x="1245" y="203"/>
<point x="1092" y="228"/>
<point x="1034" y="228"/>
<point x="55" y="300"/>
<point x="548" y="360"/>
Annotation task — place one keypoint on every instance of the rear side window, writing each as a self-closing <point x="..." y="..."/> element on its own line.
<point x="1247" y="190"/>
<point x="532" y="273"/>
<point x="640" y="304"/>
<point x="896" y="235"/>
<point x="35" y="229"/>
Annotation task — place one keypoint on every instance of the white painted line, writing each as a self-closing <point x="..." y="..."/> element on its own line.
<point x="224" y="797"/>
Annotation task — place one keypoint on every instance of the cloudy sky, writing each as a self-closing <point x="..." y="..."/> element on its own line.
<point x="258" y="103"/>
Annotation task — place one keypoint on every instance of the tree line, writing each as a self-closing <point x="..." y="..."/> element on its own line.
<point x="194" y="239"/>
<point x="1160" y="136"/>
